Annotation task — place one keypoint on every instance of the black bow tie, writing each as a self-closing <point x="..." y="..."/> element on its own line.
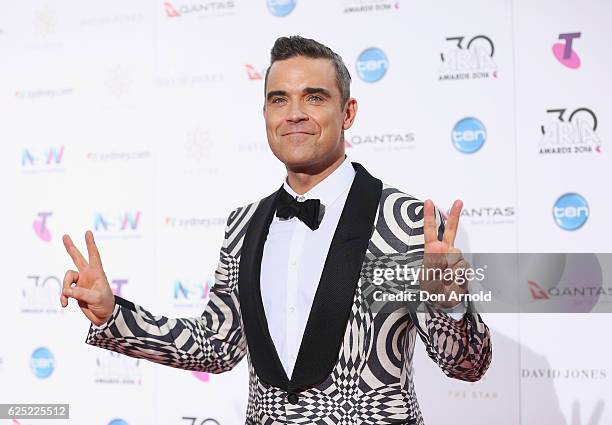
<point x="310" y="211"/>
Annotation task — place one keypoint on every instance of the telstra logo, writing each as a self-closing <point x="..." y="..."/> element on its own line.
<point x="564" y="52"/>
<point x="40" y="226"/>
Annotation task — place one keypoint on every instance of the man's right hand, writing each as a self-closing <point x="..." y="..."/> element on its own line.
<point x="92" y="289"/>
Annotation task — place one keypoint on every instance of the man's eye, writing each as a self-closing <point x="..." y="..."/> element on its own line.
<point x="315" y="98"/>
<point x="278" y="100"/>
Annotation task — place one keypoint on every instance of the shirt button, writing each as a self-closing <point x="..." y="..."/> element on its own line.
<point x="292" y="309"/>
<point x="293" y="398"/>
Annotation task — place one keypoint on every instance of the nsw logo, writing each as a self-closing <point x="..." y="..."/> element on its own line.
<point x="372" y="65"/>
<point x="468" y="135"/>
<point x="571" y="211"/>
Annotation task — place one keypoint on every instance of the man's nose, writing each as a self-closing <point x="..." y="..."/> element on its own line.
<point x="295" y="112"/>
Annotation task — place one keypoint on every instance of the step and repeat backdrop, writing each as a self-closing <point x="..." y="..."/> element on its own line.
<point x="142" y="121"/>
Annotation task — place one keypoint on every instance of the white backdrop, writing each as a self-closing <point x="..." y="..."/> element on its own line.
<point x="142" y="121"/>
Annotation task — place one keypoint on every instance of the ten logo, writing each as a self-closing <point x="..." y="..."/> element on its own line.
<point x="281" y="7"/>
<point x="372" y="65"/>
<point x="42" y="363"/>
<point x="564" y="52"/>
<point x="571" y="211"/>
<point x="469" y="135"/>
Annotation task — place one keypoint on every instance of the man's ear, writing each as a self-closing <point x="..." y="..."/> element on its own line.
<point x="350" y="113"/>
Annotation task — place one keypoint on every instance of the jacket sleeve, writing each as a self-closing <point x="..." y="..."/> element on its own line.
<point x="212" y="343"/>
<point x="461" y="348"/>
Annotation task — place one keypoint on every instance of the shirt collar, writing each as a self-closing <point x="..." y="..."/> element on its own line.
<point x="331" y="187"/>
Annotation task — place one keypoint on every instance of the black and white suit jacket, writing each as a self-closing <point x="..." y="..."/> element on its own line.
<point x="354" y="364"/>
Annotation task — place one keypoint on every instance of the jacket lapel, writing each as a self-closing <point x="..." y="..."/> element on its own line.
<point x="264" y="356"/>
<point x="333" y="299"/>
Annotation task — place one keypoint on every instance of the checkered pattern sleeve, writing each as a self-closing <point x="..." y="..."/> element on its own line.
<point x="462" y="348"/>
<point x="213" y="342"/>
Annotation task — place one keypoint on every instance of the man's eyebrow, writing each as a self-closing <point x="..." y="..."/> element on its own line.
<point x="317" y="90"/>
<point x="307" y="90"/>
<point x="273" y="93"/>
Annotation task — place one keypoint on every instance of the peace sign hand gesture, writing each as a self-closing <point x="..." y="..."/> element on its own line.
<point x="442" y="262"/>
<point x="92" y="290"/>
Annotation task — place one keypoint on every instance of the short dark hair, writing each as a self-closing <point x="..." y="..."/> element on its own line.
<point x="295" y="45"/>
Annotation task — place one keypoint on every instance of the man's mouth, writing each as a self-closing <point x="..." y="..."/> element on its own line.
<point x="297" y="132"/>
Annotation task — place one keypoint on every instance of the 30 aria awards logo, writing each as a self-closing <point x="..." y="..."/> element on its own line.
<point x="571" y="211"/>
<point x="468" y="59"/>
<point x="40" y="293"/>
<point x="281" y="8"/>
<point x="372" y="65"/>
<point x="42" y="363"/>
<point x="113" y="368"/>
<point x="364" y="6"/>
<point x="563" y="51"/>
<point x="468" y="135"/>
<point x="570" y="132"/>
<point x="194" y="420"/>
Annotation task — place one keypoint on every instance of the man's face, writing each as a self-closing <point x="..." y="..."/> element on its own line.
<point x="304" y="117"/>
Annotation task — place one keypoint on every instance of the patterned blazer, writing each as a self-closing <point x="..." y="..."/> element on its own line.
<point x="354" y="365"/>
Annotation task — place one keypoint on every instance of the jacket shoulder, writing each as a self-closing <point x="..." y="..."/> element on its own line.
<point x="237" y="224"/>
<point x="399" y="225"/>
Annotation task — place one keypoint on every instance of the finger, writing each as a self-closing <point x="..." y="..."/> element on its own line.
<point x="453" y="257"/>
<point x="74" y="253"/>
<point x="70" y="278"/>
<point x="452" y="223"/>
<point x="92" y="250"/>
<point x="429" y="222"/>
<point x="85" y="295"/>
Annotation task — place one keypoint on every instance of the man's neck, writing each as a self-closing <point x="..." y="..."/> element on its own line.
<point x="302" y="182"/>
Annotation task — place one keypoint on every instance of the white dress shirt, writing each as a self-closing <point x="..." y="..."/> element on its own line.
<point x="293" y="260"/>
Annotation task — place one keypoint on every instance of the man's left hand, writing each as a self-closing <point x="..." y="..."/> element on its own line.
<point x="441" y="259"/>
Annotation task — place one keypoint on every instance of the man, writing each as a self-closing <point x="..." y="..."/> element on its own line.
<point x="290" y="289"/>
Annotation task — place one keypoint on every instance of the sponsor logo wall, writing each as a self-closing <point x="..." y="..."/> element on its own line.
<point x="142" y="122"/>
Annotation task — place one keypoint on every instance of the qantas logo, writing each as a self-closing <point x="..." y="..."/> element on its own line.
<point x="537" y="292"/>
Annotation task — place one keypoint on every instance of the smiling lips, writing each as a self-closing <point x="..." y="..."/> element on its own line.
<point x="297" y="132"/>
